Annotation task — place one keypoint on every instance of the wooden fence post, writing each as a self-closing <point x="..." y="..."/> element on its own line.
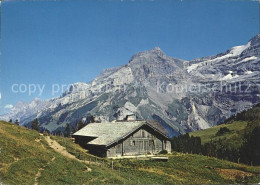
<point x="129" y="176"/>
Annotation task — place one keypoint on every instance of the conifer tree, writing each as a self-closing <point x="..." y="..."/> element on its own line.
<point x="16" y="122"/>
<point x="35" y="124"/>
<point x="67" y="130"/>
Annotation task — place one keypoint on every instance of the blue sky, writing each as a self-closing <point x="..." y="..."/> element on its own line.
<point x="63" y="42"/>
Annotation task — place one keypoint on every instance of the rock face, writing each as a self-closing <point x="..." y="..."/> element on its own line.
<point x="182" y="95"/>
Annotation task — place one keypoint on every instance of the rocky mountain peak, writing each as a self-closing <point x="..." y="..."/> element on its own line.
<point x="153" y="53"/>
<point x="155" y="86"/>
<point x="76" y="87"/>
<point x="255" y="40"/>
<point x="156" y="49"/>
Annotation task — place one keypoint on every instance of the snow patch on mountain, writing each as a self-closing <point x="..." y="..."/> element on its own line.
<point x="249" y="58"/>
<point x="193" y="67"/>
<point x="153" y="85"/>
<point x="249" y="72"/>
<point x="235" y="51"/>
<point x="230" y="76"/>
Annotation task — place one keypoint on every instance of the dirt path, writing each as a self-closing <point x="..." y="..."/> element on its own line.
<point x="62" y="150"/>
<point x="58" y="148"/>
<point x="39" y="172"/>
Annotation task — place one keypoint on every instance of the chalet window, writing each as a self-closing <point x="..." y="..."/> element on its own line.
<point x="143" y="133"/>
<point x="132" y="143"/>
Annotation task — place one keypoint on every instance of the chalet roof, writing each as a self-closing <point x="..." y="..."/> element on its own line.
<point x="108" y="133"/>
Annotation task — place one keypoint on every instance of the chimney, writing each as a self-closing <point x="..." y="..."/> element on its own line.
<point x="131" y="117"/>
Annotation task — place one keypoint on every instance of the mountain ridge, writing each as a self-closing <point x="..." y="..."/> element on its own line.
<point x="182" y="95"/>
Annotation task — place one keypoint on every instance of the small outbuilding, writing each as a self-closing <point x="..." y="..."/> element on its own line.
<point x="123" y="138"/>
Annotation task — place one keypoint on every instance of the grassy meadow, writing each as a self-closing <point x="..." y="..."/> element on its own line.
<point x="235" y="135"/>
<point x="26" y="158"/>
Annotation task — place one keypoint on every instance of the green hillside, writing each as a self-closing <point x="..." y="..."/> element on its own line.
<point x="28" y="157"/>
<point x="237" y="139"/>
<point x="236" y="124"/>
<point x="236" y="133"/>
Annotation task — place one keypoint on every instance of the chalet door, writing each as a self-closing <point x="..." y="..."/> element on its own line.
<point x="151" y="146"/>
<point x="119" y="149"/>
<point x="146" y="146"/>
<point x="141" y="147"/>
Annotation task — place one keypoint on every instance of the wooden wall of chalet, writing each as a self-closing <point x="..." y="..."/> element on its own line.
<point x="144" y="141"/>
